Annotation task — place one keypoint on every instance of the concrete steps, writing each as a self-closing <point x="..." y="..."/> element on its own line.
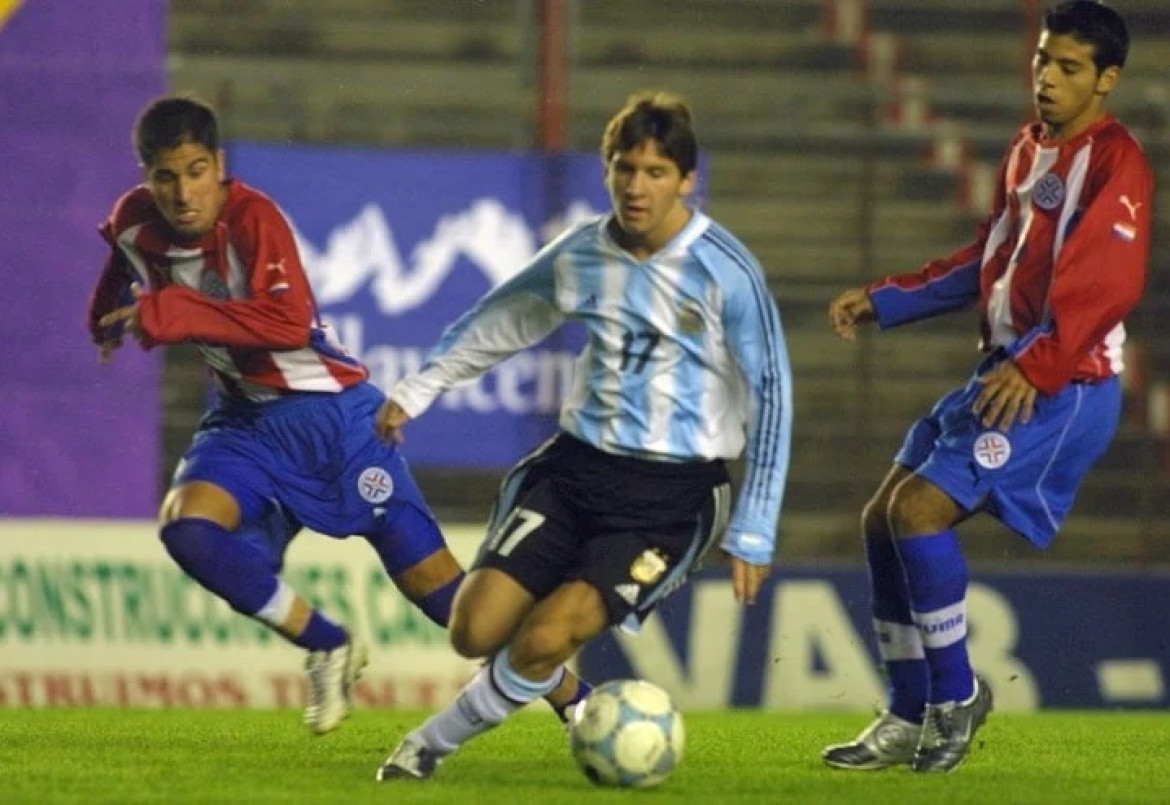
<point x="803" y="166"/>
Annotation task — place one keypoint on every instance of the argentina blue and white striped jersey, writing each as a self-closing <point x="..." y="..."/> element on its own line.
<point x="685" y="357"/>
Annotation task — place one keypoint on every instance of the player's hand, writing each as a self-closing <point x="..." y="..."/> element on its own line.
<point x="107" y="348"/>
<point x="848" y="310"/>
<point x="746" y="579"/>
<point x="391" y="418"/>
<point x="1007" y="397"/>
<point x="127" y="317"/>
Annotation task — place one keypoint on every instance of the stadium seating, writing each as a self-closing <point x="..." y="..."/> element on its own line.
<point x="834" y="162"/>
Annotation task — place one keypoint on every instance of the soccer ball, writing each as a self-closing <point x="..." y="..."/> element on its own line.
<point x="627" y="733"/>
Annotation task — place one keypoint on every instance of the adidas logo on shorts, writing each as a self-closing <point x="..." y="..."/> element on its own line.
<point x="628" y="592"/>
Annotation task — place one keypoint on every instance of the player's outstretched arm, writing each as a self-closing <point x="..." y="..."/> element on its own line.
<point x="850" y="309"/>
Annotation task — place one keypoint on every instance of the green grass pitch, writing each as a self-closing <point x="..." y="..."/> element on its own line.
<point x="169" y="756"/>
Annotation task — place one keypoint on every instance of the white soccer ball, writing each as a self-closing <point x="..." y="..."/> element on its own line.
<point x="627" y="733"/>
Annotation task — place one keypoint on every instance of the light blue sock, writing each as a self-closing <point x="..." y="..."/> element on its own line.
<point x="492" y="695"/>
<point x="518" y="688"/>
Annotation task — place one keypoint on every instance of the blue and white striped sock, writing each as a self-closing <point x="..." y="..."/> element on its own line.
<point x="936" y="575"/>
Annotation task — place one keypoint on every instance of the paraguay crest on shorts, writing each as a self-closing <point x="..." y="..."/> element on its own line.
<point x="375" y="485"/>
<point x="992" y="450"/>
<point x="648" y="567"/>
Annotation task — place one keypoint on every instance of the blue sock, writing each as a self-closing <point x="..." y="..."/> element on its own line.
<point x="238" y="573"/>
<point x="223" y="564"/>
<point x="898" y="640"/>
<point x="565" y="710"/>
<point x="437" y="604"/>
<point x="321" y="634"/>
<point x="936" y="574"/>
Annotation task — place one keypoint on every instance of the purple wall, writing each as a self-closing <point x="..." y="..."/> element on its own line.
<point x="76" y="439"/>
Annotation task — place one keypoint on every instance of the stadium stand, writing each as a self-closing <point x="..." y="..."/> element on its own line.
<point x="846" y="139"/>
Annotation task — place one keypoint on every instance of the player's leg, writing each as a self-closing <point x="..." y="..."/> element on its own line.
<point x="892" y="738"/>
<point x="946" y="488"/>
<point x="923" y="517"/>
<point x="652" y="523"/>
<point x="1028" y="477"/>
<point x="488" y="609"/>
<point x="202" y="532"/>
<point x="650" y="526"/>
<point x="529" y="550"/>
<point x="415" y="556"/>
<point x="414" y="553"/>
<point x="523" y="478"/>
<point x="259" y="457"/>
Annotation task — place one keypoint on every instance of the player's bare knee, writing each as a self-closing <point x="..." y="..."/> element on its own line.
<point x="463" y="643"/>
<point x="469" y="639"/>
<point x="474" y="632"/>
<point x="903" y="515"/>
<point x="875" y="521"/>
<point x="912" y="514"/>
<point x="918" y="507"/>
<point x="540" y="648"/>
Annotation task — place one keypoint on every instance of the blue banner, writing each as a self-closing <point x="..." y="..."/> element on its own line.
<point x="1051" y="640"/>
<point x="399" y="244"/>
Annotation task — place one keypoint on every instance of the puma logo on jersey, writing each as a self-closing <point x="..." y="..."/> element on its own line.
<point x="277" y="267"/>
<point x="1131" y="206"/>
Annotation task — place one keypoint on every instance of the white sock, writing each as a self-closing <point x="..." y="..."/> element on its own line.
<point x="276" y="611"/>
<point x="493" y="694"/>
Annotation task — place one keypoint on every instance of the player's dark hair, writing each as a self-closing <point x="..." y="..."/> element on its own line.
<point x="172" y="121"/>
<point x="659" y="116"/>
<point x="1092" y="23"/>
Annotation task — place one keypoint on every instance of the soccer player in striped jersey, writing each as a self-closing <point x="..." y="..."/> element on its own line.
<point x="685" y="366"/>
<point x="1053" y="272"/>
<point x="198" y="258"/>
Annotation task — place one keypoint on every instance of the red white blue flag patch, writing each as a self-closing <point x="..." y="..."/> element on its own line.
<point x="1126" y="232"/>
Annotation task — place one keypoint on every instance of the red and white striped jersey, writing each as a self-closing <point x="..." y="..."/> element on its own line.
<point x="241" y="295"/>
<point x="1059" y="263"/>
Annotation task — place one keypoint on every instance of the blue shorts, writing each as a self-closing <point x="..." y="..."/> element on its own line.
<point x="1027" y="477"/>
<point x="314" y="460"/>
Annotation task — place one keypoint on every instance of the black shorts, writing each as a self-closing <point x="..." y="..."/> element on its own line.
<point x="631" y="528"/>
